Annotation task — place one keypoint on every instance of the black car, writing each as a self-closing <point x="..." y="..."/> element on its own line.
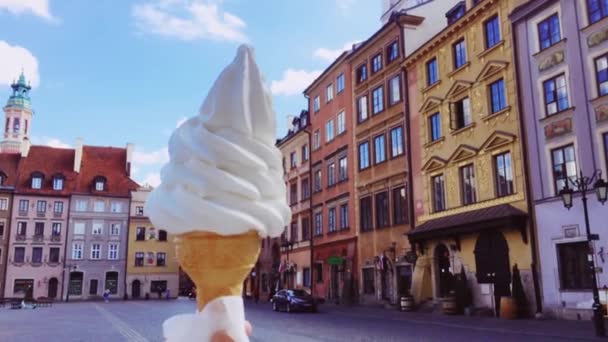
<point x="293" y="300"/>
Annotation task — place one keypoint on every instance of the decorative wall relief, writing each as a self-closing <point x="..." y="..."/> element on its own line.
<point x="551" y="61"/>
<point x="601" y="112"/>
<point x="597" y="37"/>
<point x="558" y="128"/>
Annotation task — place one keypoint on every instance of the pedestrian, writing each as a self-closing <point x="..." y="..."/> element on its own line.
<point x="106" y="296"/>
<point x="168" y="294"/>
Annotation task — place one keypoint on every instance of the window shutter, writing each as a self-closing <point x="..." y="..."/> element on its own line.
<point x="453" y="116"/>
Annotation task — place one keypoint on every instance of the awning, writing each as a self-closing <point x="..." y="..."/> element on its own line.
<point x="499" y="216"/>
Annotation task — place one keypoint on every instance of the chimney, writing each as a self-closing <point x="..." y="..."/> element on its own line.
<point x="290" y="124"/>
<point x="77" y="154"/>
<point x="25" y="147"/>
<point x="130" y="148"/>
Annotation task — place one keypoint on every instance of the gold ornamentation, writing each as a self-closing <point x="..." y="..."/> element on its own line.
<point x="597" y="37"/>
<point x="551" y="61"/>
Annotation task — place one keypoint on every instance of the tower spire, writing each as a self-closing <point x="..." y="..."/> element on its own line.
<point x="18" y="115"/>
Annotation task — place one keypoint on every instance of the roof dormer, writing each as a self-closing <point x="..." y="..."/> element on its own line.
<point x="58" y="181"/>
<point x="36" y="180"/>
<point x="100" y="183"/>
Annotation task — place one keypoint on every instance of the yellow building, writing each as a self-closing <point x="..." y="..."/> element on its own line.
<point x="470" y="190"/>
<point x="152" y="266"/>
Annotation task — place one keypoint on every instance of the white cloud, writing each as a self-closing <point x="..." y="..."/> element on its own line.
<point x="157" y="157"/>
<point x="344" y="5"/>
<point x="293" y="82"/>
<point x="14" y="58"/>
<point x="37" y="7"/>
<point x="330" y="55"/>
<point x="188" y="20"/>
<point x="152" y="179"/>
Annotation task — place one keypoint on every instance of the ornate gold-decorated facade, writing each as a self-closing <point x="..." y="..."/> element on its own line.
<point x="476" y="153"/>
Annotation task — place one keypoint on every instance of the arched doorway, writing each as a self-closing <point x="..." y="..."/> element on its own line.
<point x="444" y="274"/>
<point x="53" y="284"/>
<point x="136" y="289"/>
<point x="492" y="264"/>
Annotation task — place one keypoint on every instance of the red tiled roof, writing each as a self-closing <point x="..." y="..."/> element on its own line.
<point x="108" y="162"/>
<point x="9" y="162"/>
<point x="49" y="161"/>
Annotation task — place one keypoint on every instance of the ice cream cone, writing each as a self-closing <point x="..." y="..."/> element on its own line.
<point x="217" y="264"/>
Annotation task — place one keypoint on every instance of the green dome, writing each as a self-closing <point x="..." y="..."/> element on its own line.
<point x="20" y="98"/>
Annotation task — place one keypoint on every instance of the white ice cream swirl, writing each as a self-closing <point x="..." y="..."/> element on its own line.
<point x="225" y="174"/>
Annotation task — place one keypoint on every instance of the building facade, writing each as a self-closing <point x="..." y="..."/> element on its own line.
<point x="470" y="196"/>
<point x="98" y="223"/>
<point x="562" y="58"/>
<point x="8" y="179"/>
<point x="152" y="266"/>
<point x="295" y="249"/>
<point x="334" y="234"/>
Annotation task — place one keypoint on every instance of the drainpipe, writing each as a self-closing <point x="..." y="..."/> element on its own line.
<point x="310" y="218"/>
<point x="525" y="154"/>
<point x="125" y="296"/>
<point x="65" y="252"/>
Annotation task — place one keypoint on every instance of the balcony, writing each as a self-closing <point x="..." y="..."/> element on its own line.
<point x="57" y="214"/>
<point x="20" y="237"/>
<point x="55" y="238"/>
<point x="37" y="238"/>
<point x="23" y="212"/>
<point x="40" y="213"/>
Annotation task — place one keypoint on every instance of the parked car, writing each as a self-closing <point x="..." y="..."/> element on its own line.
<point x="291" y="300"/>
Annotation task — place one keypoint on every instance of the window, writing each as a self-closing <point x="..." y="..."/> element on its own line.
<point x="292" y="160"/>
<point x="504" y="174"/>
<point x="366" y="213"/>
<point x="113" y="251"/>
<point x="319" y="272"/>
<point x="317" y="103"/>
<point x="492" y="31"/>
<point x="456" y="13"/>
<point x="574" y="272"/>
<point x="22" y="285"/>
<point x="601" y="75"/>
<point x="497" y="99"/>
<point x="382" y="210"/>
<point x="79" y="228"/>
<point x="24" y="205"/>
<point x="38" y="228"/>
<point x="19" y="254"/>
<point x="363" y="155"/>
<point x="56" y="229"/>
<point x="293" y="194"/>
<point x="116" y="207"/>
<point x="306" y="276"/>
<point x="95" y="251"/>
<point x="36" y="182"/>
<point x="93" y="284"/>
<point x="432" y="75"/>
<point x="368" y="281"/>
<point x="139" y="211"/>
<point x="16" y="124"/>
<point x="81" y="205"/>
<point x="396" y="141"/>
<point x="467" y="184"/>
<point x="379" y="149"/>
<point x="3" y="204"/>
<point x="341" y="122"/>
<point x="394" y="90"/>
<point x="112" y="282"/>
<point x="548" y="32"/>
<point x="392" y="52"/>
<point x="160" y="259"/>
<point x="54" y="255"/>
<point x="435" y="126"/>
<point x="461" y="113"/>
<point x="564" y="166"/>
<point x="305" y="185"/>
<point x="331" y="174"/>
<point x="21" y="228"/>
<point x="140" y="234"/>
<point x="162" y="235"/>
<point x="362" y="108"/>
<point x="318" y="224"/>
<point x="293" y="234"/>
<point x="556" y="94"/>
<point x="316" y="140"/>
<point x="57" y="183"/>
<point x="459" y="50"/>
<point x="340" y="83"/>
<point x="378" y="100"/>
<point x="99" y="206"/>
<point x="331" y="220"/>
<point x="305" y="153"/>
<point x="329" y="93"/>
<point x="362" y="73"/>
<point x="139" y="258"/>
<point x="597" y="10"/>
<point x="399" y="206"/>
<point x="376" y="63"/>
<point x="58" y="207"/>
<point x="438" y="193"/>
<point x="97" y="228"/>
<point x="329" y="131"/>
<point x="305" y="228"/>
<point x="114" y="228"/>
<point x="41" y="206"/>
<point x="77" y="251"/>
<point x="342" y="169"/>
<point x="1" y="229"/>
<point x="37" y="255"/>
<point x="317" y="181"/>
<point x="344" y="216"/>
<point x="100" y="184"/>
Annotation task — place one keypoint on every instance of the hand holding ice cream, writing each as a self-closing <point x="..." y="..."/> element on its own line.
<point x="221" y="192"/>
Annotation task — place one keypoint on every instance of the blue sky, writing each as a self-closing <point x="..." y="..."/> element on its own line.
<point x="121" y="71"/>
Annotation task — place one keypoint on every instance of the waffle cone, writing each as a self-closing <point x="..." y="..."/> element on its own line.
<point x="217" y="264"/>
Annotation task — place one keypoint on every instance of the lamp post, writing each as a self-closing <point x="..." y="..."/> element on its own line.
<point x="70" y="268"/>
<point x="583" y="183"/>
<point x="288" y="245"/>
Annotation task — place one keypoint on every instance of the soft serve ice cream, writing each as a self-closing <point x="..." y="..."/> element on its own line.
<point x="221" y="192"/>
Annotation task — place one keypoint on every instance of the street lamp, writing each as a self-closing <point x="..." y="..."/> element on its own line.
<point x="69" y="267"/>
<point x="582" y="183"/>
<point x="288" y="245"/>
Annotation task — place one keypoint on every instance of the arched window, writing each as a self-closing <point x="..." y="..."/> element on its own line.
<point x="37" y="178"/>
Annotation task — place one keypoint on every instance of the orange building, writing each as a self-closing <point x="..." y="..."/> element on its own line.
<point x="334" y="235"/>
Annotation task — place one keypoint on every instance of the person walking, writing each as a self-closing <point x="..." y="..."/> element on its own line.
<point x="106" y="295"/>
<point x="168" y="294"/>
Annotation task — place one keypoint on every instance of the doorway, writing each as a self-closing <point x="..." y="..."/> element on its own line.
<point x="334" y="283"/>
<point x="53" y="284"/>
<point x="492" y="264"/>
<point x="444" y="270"/>
<point x="75" y="286"/>
<point x="136" y="289"/>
